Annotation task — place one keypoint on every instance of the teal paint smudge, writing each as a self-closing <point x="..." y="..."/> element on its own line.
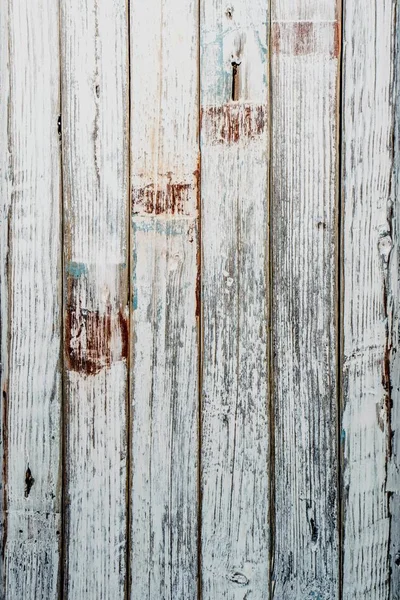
<point x="134" y="280"/>
<point x="76" y="269"/>
<point x="167" y="228"/>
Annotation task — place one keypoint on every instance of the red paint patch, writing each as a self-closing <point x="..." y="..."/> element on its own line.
<point x="230" y="123"/>
<point x="172" y="199"/>
<point x="306" y="37"/>
<point x="88" y="339"/>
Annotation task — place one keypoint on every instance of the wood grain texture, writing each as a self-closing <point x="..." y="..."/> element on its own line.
<point x="305" y="46"/>
<point x="164" y="397"/>
<point x="234" y="199"/>
<point x="95" y="175"/>
<point x="367" y="248"/>
<point x="30" y="274"/>
<point x="393" y="341"/>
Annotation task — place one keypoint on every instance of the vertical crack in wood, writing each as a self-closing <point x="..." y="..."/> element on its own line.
<point x="129" y="325"/>
<point x="339" y="291"/>
<point x="62" y="583"/>
<point x="269" y="315"/>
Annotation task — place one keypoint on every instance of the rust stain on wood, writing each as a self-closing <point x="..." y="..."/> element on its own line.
<point x="5" y="469"/>
<point x="172" y="199"/>
<point x="89" y="339"/>
<point x="230" y="123"/>
<point x="303" y="38"/>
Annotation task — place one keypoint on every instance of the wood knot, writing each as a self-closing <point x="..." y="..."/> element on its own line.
<point x="238" y="578"/>
<point x="29" y="481"/>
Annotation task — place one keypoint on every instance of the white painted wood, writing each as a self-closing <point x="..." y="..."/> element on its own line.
<point x="234" y="199"/>
<point x="30" y="241"/>
<point x="393" y="345"/>
<point x="305" y="47"/>
<point x="164" y="397"/>
<point x="4" y="325"/>
<point x="95" y="177"/>
<point x="367" y="245"/>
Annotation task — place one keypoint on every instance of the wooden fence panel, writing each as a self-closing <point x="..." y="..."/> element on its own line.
<point x="95" y="175"/>
<point x="234" y="203"/>
<point x="164" y="304"/>
<point x="305" y="70"/>
<point x="367" y="245"/>
<point x="30" y="241"/>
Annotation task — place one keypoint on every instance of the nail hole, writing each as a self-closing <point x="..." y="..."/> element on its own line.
<point x="229" y="12"/>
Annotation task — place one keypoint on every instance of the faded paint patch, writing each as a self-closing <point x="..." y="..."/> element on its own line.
<point x="306" y="37"/>
<point x="76" y="269"/>
<point x="94" y="341"/>
<point x="171" y="199"/>
<point x="233" y="122"/>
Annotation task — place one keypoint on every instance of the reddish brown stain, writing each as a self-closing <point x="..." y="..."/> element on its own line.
<point x="230" y="123"/>
<point x="88" y="336"/>
<point x="173" y="199"/>
<point x="300" y="39"/>
<point x="5" y="469"/>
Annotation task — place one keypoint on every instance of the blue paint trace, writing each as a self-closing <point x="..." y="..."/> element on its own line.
<point x="76" y="269"/>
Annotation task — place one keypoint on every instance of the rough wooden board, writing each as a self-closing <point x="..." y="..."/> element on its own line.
<point x="95" y="175"/>
<point x="368" y="241"/>
<point x="305" y="47"/>
<point x="30" y="241"/>
<point x="393" y="474"/>
<point x="164" y="272"/>
<point x="4" y="325"/>
<point x="234" y="199"/>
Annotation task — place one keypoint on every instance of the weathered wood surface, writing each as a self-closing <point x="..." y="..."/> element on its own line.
<point x="304" y="221"/>
<point x="200" y="372"/>
<point x="94" y="128"/>
<point x="164" y="311"/>
<point x="30" y="241"/>
<point x="367" y="245"/>
<point x="393" y="324"/>
<point x="234" y="201"/>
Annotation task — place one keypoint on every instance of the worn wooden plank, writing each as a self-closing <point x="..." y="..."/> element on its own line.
<point x="305" y="48"/>
<point x="30" y="273"/>
<point x="234" y="199"/>
<point x="95" y="175"/>
<point x="164" y="188"/>
<point x="393" y="341"/>
<point x="368" y="241"/>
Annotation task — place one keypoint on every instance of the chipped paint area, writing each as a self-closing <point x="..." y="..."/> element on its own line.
<point x="171" y="200"/>
<point x="306" y="37"/>
<point x="94" y="341"/>
<point x="233" y="122"/>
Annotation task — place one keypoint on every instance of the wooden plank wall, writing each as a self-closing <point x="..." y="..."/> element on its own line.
<point x="31" y="318"/>
<point x="234" y="193"/>
<point x="164" y="303"/>
<point x="305" y="126"/>
<point x="199" y="290"/>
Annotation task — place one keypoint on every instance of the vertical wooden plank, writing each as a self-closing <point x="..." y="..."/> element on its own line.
<point x="95" y="170"/>
<point x="305" y="48"/>
<point x="234" y="192"/>
<point x="30" y="241"/>
<point x="4" y="325"/>
<point x="164" y="188"/>
<point x="393" y="324"/>
<point x="367" y="245"/>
